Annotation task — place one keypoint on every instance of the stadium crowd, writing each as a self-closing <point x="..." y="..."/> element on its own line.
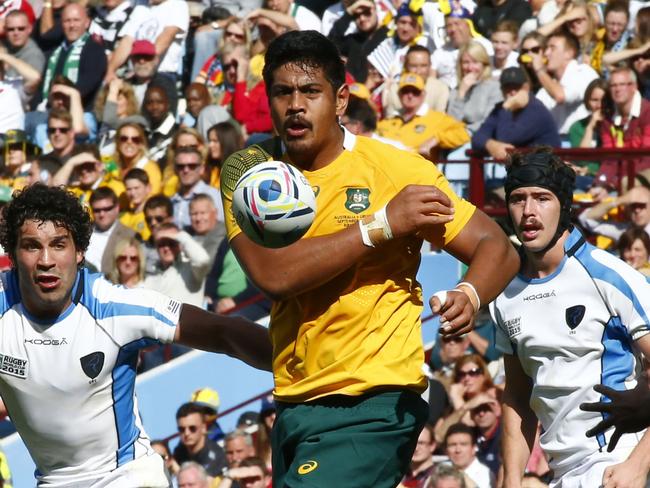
<point x="134" y="106"/>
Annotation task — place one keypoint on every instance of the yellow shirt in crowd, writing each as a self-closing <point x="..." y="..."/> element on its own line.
<point x="360" y="330"/>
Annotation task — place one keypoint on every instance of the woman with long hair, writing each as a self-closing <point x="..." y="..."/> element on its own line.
<point x="223" y="140"/>
<point x="114" y="103"/>
<point x="127" y="268"/>
<point x="634" y="248"/>
<point x="131" y="152"/>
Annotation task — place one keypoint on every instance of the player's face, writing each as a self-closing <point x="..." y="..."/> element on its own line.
<point x="191" y="429"/>
<point x="305" y="109"/>
<point x="460" y="450"/>
<point x="535" y="214"/>
<point x="636" y="255"/>
<point x="46" y="261"/>
<point x="237" y="450"/>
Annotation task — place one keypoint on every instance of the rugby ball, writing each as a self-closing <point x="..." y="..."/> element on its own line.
<point x="274" y="204"/>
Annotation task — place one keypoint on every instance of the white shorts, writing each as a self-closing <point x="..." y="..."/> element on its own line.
<point x="589" y="473"/>
<point x="145" y="472"/>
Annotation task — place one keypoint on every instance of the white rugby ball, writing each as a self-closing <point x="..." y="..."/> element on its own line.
<point x="274" y="204"/>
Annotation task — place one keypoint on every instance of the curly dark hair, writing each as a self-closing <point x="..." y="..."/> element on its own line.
<point x="45" y="203"/>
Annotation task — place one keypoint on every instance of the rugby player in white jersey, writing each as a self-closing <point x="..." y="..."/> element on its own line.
<point x="573" y="317"/>
<point x="69" y="344"/>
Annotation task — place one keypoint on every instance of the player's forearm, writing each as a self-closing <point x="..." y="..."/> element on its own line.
<point x="235" y="336"/>
<point x="640" y="455"/>
<point x="519" y="426"/>
<point x="302" y="266"/>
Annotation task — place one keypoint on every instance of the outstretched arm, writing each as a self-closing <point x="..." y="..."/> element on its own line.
<point x="234" y="336"/>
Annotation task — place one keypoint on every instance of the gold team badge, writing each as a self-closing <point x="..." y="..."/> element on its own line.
<point x="307" y="467"/>
<point x="358" y="199"/>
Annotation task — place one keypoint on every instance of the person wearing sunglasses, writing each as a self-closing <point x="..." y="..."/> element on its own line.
<point x="128" y="266"/>
<point x="60" y="133"/>
<point x="131" y="151"/>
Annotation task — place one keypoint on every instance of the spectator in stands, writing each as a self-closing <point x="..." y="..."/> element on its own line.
<point x="79" y="57"/>
<point x="20" y="166"/>
<point x="629" y="125"/>
<point x="12" y="116"/>
<point x="189" y="165"/>
<point x="361" y="119"/>
<point x="131" y="152"/>
<point x="359" y="43"/>
<point x="192" y="475"/>
<point x="520" y="121"/>
<point x="576" y="18"/>
<point x="421" y="466"/>
<point x="444" y="59"/>
<point x="49" y="29"/>
<point x="238" y="446"/>
<point x="158" y="210"/>
<point x="487" y="418"/>
<point x="137" y="190"/>
<point x="637" y="207"/>
<point x="84" y="172"/>
<point x="641" y="65"/>
<point x="616" y="35"/>
<point x="268" y="412"/>
<point x="113" y="19"/>
<point x="194" y="444"/>
<point x="418" y="127"/>
<point x="489" y="12"/>
<point x="198" y="98"/>
<point x="586" y="132"/>
<point x="208" y="399"/>
<point x="60" y="133"/>
<point x="107" y="231"/>
<point x="166" y="28"/>
<point x="418" y="61"/>
<point x="162" y="124"/>
<point x="451" y="350"/>
<point x="205" y="228"/>
<point x="634" y="248"/>
<point x="388" y="57"/>
<point x="115" y="102"/>
<point x="460" y="446"/>
<point x="287" y="14"/>
<point x="563" y="80"/>
<point x="251" y="473"/>
<point x="145" y="61"/>
<point x="184" y="264"/>
<point x="447" y="476"/>
<point x="162" y="449"/>
<point x="504" y="43"/>
<point x="224" y="139"/>
<point x="531" y="43"/>
<point x="22" y="47"/>
<point x="127" y="268"/>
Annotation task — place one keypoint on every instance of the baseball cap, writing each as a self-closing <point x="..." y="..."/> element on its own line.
<point x="143" y="48"/>
<point x="411" y="79"/>
<point x="206" y="397"/>
<point x="359" y="90"/>
<point x="513" y="76"/>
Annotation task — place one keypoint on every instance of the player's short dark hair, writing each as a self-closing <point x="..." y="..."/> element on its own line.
<point x="102" y="193"/>
<point x="137" y="174"/>
<point x="188" y="409"/>
<point x="460" y="428"/>
<point x="160" y="201"/>
<point x="360" y="111"/>
<point x="45" y="204"/>
<point x="308" y="49"/>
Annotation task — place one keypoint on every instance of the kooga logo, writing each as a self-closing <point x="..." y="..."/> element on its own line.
<point x="46" y="342"/>
<point x="539" y="296"/>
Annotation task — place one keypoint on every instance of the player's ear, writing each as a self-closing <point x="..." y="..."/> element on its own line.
<point x="80" y="257"/>
<point x="342" y="96"/>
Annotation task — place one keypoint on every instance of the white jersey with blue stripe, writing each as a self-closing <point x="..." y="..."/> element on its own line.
<point x="69" y="384"/>
<point x="572" y="330"/>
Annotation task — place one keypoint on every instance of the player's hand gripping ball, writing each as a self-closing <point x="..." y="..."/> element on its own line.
<point x="274" y="204"/>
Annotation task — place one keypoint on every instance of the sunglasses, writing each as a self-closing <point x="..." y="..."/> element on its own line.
<point x="449" y="340"/>
<point x="89" y="166"/>
<point x="534" y="50"/>
<point x="134" y="139"/>
<point x="366" y="12"/>
<point x="54" y="130"/>
<point x="191" y="428"/>
<point x="98" y="210"/>
<point x="250" y="479"/>
<point x="474" y="372"/>
<point x="167" y="243"/>
<point x="232" y="65"/>
<point x="14" y="29"/>
<point x="236" y="35"/>
<point x="189" y="166"/>
<point x="124" y="258"/>
<point x="158" y="219"/>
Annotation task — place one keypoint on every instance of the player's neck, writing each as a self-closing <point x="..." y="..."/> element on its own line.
<point x="543" y="264"/>
<point x="319" y="157"/>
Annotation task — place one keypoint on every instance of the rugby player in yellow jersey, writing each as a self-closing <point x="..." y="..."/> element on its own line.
<point x="345" y="325"/>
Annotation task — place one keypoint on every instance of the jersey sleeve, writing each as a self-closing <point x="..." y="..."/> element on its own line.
<point x="232" y="170"/>
<point x="133" y="314"/>
<point x="502" y="341"/>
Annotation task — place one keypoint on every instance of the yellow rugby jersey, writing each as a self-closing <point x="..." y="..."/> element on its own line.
<point x="360" y="330"/>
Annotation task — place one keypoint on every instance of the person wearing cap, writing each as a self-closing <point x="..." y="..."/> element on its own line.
<point x="418" y="127"/>
<point x="485" y="413"/>
<point x="20" y="167"/>
<point x="208" y="399"/>
<point x="521" y="120"/>
<point x="367" y="34"/>
<point x="79" y="57"/>
<point x="572" y="318"/>
<point x="144" y="59"/>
